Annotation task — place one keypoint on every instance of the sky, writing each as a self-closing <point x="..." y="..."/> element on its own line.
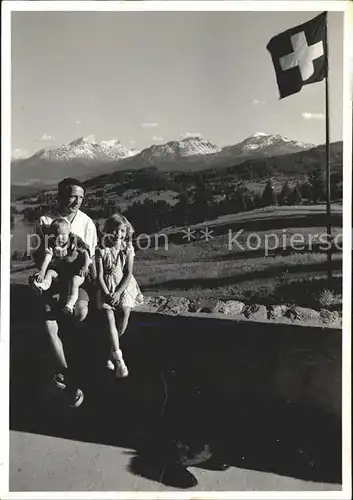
<point x="152" y="77"/>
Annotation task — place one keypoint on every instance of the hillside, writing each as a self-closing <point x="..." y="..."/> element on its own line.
<point x="155" y="198"/>
<point x="297" y="165"/>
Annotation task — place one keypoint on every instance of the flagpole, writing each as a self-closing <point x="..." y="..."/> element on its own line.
<point x="328" y="163"/>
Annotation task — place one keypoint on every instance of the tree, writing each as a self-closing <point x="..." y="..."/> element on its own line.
<point x="32" y="214"/>
<point x="305" y="191"/>
<point x="317" y="185"/>
<point x="269" y="196"/>
<point x="295" y="196"/>
<point x="201" y="204"/>
<point x="16" y="255"/>
<point x="257" y="200"/>
<point x="336" y="186"/>
<point x="182" y="209"/>
<point x="284" y="195"/>
<point x="240" y="199"/>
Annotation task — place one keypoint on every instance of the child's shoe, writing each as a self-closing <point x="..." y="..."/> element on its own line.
<point x="67" y="310"/>
<point x="34" y="285"/>
<point x="38" y="287"/>
<point x="120" y="367"/>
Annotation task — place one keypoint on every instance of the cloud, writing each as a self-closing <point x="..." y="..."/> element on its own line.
<point x="313" y="116"/>
<point x="258" y="102"/>
<point x="46" y="138"/>
<point x="149" y="124"/>
<point x="19" y="154"/>
<point x="185" y="135"/>
<point x="132" y="142"/>
<point x="78" y="122"/>
<point x="157" y="138"/>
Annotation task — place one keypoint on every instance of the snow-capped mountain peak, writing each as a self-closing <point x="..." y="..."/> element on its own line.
<point x="261" y="141"/>
<point x="85" y="156"/>
<point x="83" y="140"/>
<point x="196" y="145"/>
<point x="258" y="134"/>
<point x="86" y="148"/>
<point x="174" y="150"/>
<point x="263" y="144"/>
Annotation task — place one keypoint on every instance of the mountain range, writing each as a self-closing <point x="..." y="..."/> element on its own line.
<point x="80" y="158"/>
<point x="85" y="158"/>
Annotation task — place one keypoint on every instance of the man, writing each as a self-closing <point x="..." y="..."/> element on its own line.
<point x="69" y="200"/>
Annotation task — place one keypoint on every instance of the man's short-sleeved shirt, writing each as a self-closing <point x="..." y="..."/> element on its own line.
<point x="82" y="225"/>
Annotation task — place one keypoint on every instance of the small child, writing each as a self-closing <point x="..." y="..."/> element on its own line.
<point x="119" y="291"/>
<point x="66" y="258"/>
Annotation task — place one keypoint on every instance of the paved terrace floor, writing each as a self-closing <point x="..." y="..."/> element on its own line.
<point x="47" y="463"/>
<point x="120" y="438"/>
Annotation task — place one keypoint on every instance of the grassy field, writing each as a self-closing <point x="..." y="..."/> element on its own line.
<point x="217" y="270"/>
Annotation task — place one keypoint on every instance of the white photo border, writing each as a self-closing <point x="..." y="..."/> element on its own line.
<point x="8" y="7"/>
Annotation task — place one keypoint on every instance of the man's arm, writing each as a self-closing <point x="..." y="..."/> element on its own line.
<point x="86" y="263"/>
<point x="92" y="241"/>
<point x="89" y="266"/>
<point x="91" y="237"/>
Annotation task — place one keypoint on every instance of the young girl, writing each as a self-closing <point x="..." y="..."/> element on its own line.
<point x="66" y="257"/>
<point x="119" y="291"/>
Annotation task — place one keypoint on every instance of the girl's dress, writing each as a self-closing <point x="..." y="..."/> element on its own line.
<point x="113" y="265"/>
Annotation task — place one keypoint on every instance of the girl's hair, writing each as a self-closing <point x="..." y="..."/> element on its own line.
<point x="59" y="223"/>
<point x="116" y="220"/>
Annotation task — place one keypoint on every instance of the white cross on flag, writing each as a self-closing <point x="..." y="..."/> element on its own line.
<point x="299" y="55"/>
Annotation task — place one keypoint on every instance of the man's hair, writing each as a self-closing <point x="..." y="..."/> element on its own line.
<point x="65" y="184"/>
<point x="59" y="223"/>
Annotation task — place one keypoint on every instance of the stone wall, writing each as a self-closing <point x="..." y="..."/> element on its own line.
<point x="177" y="305"/>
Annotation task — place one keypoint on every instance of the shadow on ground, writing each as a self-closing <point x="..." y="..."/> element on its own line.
<point x="166" y="411"/>
<point x="234" y="279"/>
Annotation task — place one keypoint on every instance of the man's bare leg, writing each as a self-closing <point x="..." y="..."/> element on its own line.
<point x="69" y="326"/>
<point x="81" y="310"/>
<point x="52" y="329"/>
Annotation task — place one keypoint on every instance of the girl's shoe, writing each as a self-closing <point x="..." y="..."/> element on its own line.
<point x="110" y="365"/>
<point x="120" y="367"/>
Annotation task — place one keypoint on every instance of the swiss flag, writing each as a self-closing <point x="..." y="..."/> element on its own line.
<point x="299" y="55"/>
